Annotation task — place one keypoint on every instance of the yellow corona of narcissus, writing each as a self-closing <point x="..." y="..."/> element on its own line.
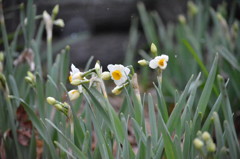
<point x="159" y="62"/>
<point x="119" y="73"/>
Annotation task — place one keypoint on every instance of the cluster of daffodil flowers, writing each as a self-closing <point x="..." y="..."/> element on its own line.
<point x="121" y="76"/>
<point x="204" y="143"/>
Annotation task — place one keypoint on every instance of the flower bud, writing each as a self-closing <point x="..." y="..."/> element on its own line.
<point x="192" y="8"/>
<point x="73" y="94"/>
<point x="59" y="22"/>
<point x="117" y="90"/>
<point x="51" y="100"/>
<point x="153" y="48"/>
<point x="76" y="82"/>
<point x="58" y="106"/>
<point x="143" y="62"/>
<point x="211" y="147"/>
<point x="31" y="75"/>
<point x="181" y="19"/>
<point x="55" y="10"/>
<point x="28" y="79"/>
<point x="206" y="136"/>
<point x="97" y="68"/>
<point x="106" y="75"/>
<point x="198" y="143"/>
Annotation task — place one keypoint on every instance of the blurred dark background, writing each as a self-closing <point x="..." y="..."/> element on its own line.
<point x="98" y="28"/>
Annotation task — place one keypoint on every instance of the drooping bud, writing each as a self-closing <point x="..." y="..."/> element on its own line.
<point x="51" y="100"/>
<point x="211" y="147"/>
<point x="192" y="8"/>
<point x="73" y="94"/>
<point x="117" y="90"/>
<point x="198" y="143"/>
<point x="143" y="62"/>
<point x="59" y="22"/>
<point x="106" y="75"/>
<point x="181" y="19"/>
<point x="206" y="136"/>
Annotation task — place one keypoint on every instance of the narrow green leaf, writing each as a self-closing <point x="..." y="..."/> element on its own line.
<point x="170" y="149"/>
<point x="152" y="118"/>
<point x="227" y="55"/>
<point x="205" y="96"/>
<point x="64" y="149"/>
<point x="219" y="133"/>
<point x="69" y="142"/>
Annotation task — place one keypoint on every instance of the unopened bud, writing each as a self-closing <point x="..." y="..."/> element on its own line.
<point x="117" y="90"/>
<point x="31" y="75"/>
<point x="76" y="82"/>
<point x="211" y="147"/>
<point x="73" y="94"/>
<point x="28" y="79"/>
<point x="206" y="136"/>
<point x="106" y="75"/>
<point x="153" y="48"/>
<point x="198" y="143"/>
<point x="192" y="8"/>
<point x="51" y="100"/>
<point x="55" y="10"/>
<point x="97" y="67"/>
<point x="143" y="62"/>
<point x="181" y="19"/>
<point x="59" y="22"/>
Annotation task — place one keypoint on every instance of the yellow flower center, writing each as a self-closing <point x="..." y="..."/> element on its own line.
<point x="70" y="78"/>
<point x="161" y="62"/>
<point x="116" y="75"/>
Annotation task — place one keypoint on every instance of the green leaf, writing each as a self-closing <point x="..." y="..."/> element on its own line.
<point x="219" y="133"/>
<point x="64" y="149"/>
<point x="152" y="118"/>
<point x="205" y="96"/>
<point x="227" y="55"/>
<point x="178" y="107"/>
<point x="71" y="145"/>
<point x="170" y="149"/>
<point x="39" y="126"/>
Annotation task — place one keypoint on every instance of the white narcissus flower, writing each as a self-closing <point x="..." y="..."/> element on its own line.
<point x="75" y="74"/>
<point x="118" y="73"/>
<point x="159" y="61"/>
<point x="73" y="94"/>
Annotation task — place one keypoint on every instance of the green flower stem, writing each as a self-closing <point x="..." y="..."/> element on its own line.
<point x="49" y="53"/>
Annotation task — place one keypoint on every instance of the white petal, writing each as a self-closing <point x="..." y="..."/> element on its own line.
<point x="165" y="57"/>
<point x="126" y="70"/>
<point x="110" y="67"/>
<point x="74" y="69"/>
<point x="153" y="64"/>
